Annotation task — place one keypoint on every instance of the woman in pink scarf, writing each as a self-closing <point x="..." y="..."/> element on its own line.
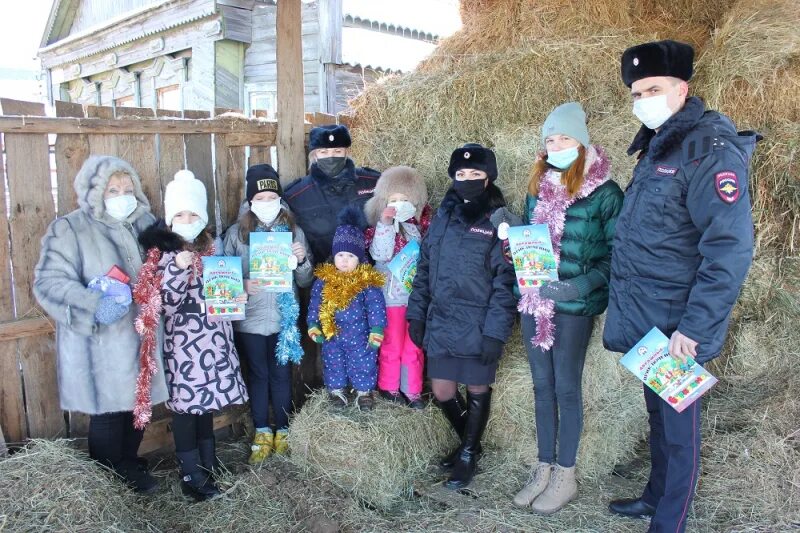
<point x="571" y="191"/>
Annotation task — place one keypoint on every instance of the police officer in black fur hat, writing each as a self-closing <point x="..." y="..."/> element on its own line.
<point x="683" y="246"/>
<point x="333" y="182"/>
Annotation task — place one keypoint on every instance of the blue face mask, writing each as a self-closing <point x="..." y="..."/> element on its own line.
<point x="563" y="158"/>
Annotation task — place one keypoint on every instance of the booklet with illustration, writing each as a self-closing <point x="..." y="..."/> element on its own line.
<point x="223" y="288"/>
<point x="270" y="253"/>
<point x="532" y="252"/>
<point x="404" y="265"/>
<point x="679" y="385"/>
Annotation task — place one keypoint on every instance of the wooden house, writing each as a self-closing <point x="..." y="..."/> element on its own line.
<point x="206" y="54"/>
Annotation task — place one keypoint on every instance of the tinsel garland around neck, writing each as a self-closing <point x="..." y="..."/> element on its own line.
<point x="340" y="289"/>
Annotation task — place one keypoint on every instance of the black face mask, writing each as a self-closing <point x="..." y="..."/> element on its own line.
<point x="332" y="166"/>
<point x="469" y="190"/>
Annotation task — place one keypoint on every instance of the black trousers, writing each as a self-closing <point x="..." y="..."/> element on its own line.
<point x="113" y="439"/>
<point x="188" y="430"/>
<point x="267" y="380"/>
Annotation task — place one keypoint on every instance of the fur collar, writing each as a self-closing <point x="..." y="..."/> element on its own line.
<point x="158" y="235"/>
<point x="471" y="212"/>
<point x="673" y="131"/>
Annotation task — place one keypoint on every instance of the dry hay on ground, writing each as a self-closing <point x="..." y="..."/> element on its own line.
<point x="615" y="419"/>
<point x="377" y="455"/>
<point x="50" y="486"/>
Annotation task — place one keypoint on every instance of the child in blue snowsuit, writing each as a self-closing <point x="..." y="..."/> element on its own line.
<point x="347" y="314"/>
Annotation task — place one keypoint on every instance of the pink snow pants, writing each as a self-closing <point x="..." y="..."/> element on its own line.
<point x="400" y="362"/>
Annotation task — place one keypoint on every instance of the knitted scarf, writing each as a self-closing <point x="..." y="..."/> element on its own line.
<point x="400" y="239"/>
<point x="288" y="348"/>
<point x="551" y="209"/>
<point x="340" y="289"/>
<point x="147" y="295"/>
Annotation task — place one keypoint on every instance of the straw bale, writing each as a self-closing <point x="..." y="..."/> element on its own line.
<point x="375" y="455"/>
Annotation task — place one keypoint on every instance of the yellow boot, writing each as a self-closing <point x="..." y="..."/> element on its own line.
<point x="281" y="443"/>
<point x="261" y="447"/>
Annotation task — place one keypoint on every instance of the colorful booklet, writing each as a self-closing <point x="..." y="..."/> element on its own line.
<point x="532" y="252"/>
<point x="223" y="288"/>
<point x="679" y="385"/>
<point x="269" y="260"/>
<point x="404" y="265"/>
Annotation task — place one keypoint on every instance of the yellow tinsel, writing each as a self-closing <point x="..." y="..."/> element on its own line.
<point x="339" y="290"/>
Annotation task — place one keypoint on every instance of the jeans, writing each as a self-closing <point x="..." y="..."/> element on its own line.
<point x="557" y="375"/>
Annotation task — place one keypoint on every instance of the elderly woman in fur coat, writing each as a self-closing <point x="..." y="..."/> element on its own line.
<point x="98" y="347"/>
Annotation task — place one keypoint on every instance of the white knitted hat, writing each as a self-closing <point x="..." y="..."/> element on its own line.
<point x="185" y="193"/>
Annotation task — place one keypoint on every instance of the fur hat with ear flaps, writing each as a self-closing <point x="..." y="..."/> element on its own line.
<point x="91" y="181"/>
<point x="401" y="179"/>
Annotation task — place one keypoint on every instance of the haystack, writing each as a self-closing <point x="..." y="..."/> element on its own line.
<point x="376" y="455"/>
<point x="614" y="413"/>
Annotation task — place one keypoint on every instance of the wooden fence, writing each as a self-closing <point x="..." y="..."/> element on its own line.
<point x="35" y="188"/>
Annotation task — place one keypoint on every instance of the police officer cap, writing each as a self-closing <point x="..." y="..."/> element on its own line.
<point x="330" y="136"/>
<point x="658" y="58"/>
<point x="473" y="155"/>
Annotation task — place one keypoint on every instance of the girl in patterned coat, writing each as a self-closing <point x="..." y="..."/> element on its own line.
<point x="397" y="213"/>
<point x="200" y="361"/>
<point x="347" y="314"/>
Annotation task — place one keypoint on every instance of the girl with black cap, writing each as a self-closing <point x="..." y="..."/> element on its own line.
<point x="462" y="307"/>
<point x="268" y="336"/>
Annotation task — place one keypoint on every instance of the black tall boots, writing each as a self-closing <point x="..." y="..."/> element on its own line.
<point x="197" y="482"/>
<point x="466" y="461"/>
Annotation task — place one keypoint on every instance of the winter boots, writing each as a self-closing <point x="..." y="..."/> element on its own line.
<point x="455" y="410"/>
<point x="114" y="443"/>
<point x="338" y="398"/>
<point x="197" y="482"/>
<point x="364" y="400"/>
<point x="466" y="461"/>
<point x="561" y="490"/>
<point x="261" y="448"/>
<point x="281" y="443"/>
<point x="537" y="482"/>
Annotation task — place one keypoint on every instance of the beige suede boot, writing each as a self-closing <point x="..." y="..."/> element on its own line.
<point x="561" y="490"/>
<point x="537" y="482"/>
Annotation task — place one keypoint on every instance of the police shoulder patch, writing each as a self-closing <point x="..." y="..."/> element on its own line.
<point x="727" y="184"/>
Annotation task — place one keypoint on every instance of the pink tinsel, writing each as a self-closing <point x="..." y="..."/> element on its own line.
<point x="551" y="209"/>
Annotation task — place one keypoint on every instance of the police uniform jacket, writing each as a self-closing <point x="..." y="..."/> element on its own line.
<point x="463" y="286"/>
<point x="684" y="237"/>
<point x="317" y="199"/>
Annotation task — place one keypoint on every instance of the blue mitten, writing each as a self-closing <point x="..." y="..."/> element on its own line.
<point x="109" y="311"/>
<point x="121" y="292"/>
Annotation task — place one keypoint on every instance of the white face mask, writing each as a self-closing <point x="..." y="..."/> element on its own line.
<point x="189" y="232"/>
<point x="653" y="111"/>
<point x="120" y="207"/>
<point x="266" y="211"/>
<point x="404" y="210"/>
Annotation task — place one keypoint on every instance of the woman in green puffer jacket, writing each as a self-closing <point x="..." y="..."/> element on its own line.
<point x="571" y="191"/>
